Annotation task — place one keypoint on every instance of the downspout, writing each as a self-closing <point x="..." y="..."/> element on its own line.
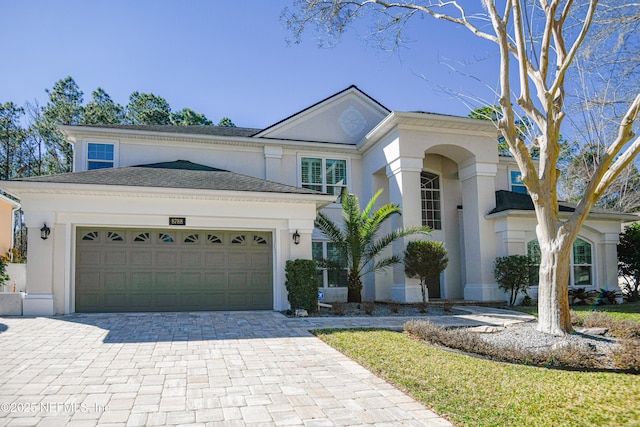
<point x="13" y="231"/>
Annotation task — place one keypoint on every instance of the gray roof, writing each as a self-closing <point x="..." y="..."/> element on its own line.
<point x="178" y="174"/>
<point x="185" y="130"/>
<point x="509" y="200"/>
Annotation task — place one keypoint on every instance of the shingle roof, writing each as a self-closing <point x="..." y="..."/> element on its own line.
<point x="509" y="200"/>
<point x="187" y="130"/>
<point x="178" y="174"/>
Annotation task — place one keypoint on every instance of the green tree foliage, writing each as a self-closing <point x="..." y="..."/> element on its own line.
<point x="629" y="260"/>
<point x="425" y="260"/>
<point x="35" y="147"/>
<point x="148" y="109"/>
<point x="226" y="122"/>
<point x="188" y="117"/>
<point x="101" y="110"/>
<point x="513" y="274"/>
<point x="63" y="108"/>
<point x="39" y="148"/>
<point x="4" y="277"/>
<point x="12" y="137"/>
<point x="302" y="284"/>
<point x="356" y="238"/>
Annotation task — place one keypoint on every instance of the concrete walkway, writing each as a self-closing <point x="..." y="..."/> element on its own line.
<point x="199" y="369"/>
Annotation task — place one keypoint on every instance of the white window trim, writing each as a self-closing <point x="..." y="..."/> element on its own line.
<point x="442" y="198"/>
<point x="325" y="271"/>
<point x="573" y="265"/>
<point x="324" y="158"/>
<point x="116" y="151"/>
<point x="594" y="270"/>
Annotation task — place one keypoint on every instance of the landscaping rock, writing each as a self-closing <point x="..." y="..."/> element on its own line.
<point x="485" y="329"/>
<point x="301" y="313"/>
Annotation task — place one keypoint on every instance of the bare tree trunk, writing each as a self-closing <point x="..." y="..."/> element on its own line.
<point x="553" y="290"/>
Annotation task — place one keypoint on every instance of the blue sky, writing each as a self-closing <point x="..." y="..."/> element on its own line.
<point x="229" y="58"/>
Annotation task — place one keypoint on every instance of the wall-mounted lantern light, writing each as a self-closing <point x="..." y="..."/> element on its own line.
<point x="296" y="238"/>
<point x="44" y="232"/>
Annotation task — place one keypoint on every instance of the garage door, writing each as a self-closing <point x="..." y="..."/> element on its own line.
<point x="168" y="270"/>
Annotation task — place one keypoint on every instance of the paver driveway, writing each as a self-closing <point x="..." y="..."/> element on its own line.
<point x="210" y="368"/>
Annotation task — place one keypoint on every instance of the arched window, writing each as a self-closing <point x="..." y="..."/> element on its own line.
<point x="430" y="200"/>
<point x="581" y="274"/>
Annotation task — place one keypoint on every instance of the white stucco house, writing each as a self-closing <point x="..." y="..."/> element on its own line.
<point x="163" y="218"/>
<point x="7" y="211"/>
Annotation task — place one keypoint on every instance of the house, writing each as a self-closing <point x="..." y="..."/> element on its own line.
<point x="163" y="218"/>
<point x="7" y="209"/>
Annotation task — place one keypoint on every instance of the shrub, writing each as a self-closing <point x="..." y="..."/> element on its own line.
<point x="368" y="307"/>
<point x="425" y="260"/>
<point x="629" y="261"/>
<point x="4" y="277"/>
<point x="607" y="297"/>
<point x="338" y="308"/>
<point x="513" y="274"/>
<point x="627" y="356"/>
<point x="624" y="329"/>
<point x="447" y="306"/>
<point x="394" y="307"/>
<point x="580" y="296"/>
<point x="302" y="284"/>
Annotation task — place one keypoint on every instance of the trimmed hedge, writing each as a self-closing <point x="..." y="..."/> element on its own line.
<point x="302" y="284"/>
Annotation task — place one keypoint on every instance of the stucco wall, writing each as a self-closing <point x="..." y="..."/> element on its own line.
<point x="6" y="223"/>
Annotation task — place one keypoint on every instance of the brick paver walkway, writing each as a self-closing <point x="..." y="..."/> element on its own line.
<point x="200" y="369"/>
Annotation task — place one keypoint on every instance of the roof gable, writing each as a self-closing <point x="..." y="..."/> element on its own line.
<point x="343" y="118"/>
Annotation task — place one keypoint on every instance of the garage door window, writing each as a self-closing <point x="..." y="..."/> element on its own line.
<point x="142" y="237"/>
<point x="192" y="238"/>
<point x="165" y="238"/>
<point x="213" y="239"/>
<point x="91" y="236"/>
<point x="239" y="240"/>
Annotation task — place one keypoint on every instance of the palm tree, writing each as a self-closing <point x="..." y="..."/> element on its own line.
<point x="357" y="242"/>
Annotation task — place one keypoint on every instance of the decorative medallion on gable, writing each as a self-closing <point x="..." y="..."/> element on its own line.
<point x="352" y="121"/>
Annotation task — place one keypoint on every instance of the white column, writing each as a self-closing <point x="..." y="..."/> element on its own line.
<point x="39" y="300"/>
<point x="608" y="255"/>
<point x="478" y="198"/>
<point x="404" y="190"/>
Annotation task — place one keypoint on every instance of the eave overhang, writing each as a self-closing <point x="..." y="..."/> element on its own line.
<point x="613" y="216"/>
<point x="22" y="189"/>
<point x="75" y="133"/>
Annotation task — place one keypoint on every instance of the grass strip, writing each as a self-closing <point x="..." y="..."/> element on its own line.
<point x="629" y="311"/>
<point x="476" y="392"/>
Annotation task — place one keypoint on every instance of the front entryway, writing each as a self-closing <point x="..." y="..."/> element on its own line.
<point x="125" y="270"/>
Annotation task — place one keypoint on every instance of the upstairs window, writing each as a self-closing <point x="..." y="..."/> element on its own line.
<point x="430" y="200"/>
<point x="325" y="175"/>
<point x="100" y="156"/>
<point x="516" y="182"/>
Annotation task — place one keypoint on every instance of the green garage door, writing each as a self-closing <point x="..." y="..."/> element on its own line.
<point x="119" y="270"/>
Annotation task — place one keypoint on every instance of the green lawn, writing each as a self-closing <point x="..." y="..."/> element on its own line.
<point x="629" y="311"/>
<point x="475" y="392"/>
